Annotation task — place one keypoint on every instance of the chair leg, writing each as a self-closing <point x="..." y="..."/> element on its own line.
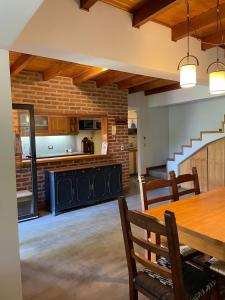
<point x="133" y="292"/>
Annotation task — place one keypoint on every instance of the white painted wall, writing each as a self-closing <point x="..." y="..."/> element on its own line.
<point x="153" y="132"/>
<point x="105" y="37"/>
<point x="168" y="127"/>
<point x="14" y="15"/>
<point x="187" y="120"/>
<point x="200" y="92"/>
<point x="10" y="281"/>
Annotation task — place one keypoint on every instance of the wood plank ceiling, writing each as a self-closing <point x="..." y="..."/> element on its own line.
<point x="51" y="68"/>
<point x="172" y="13"/>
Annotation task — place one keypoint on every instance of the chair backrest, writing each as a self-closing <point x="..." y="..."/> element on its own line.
<point x="184" y="178"/>
<point x="146" y="187"/>
<point x="172" y="253"/>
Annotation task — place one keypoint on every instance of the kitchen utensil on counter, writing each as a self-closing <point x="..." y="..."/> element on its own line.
<point x="88" y="145"/>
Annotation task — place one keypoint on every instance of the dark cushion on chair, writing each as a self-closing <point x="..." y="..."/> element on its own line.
<point x="197" y="283"/>
<point x="153" y="286"/>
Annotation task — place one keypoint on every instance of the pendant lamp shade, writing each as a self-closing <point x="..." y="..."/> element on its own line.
<point x="217" y="82"/>
<point x="188" y="76"/>
<point x="188" y="64"/>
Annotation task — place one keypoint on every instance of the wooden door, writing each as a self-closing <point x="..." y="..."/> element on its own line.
<point x="132" y="162"/>
<point x="41" y="125"/>
<point x="216" y="164"/>
<point x="74" y="125"/>
<point x="58" y="125"/>
<point x="198" y="160"/>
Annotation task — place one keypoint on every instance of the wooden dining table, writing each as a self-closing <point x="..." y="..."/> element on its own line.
<point x="200" y="221"/>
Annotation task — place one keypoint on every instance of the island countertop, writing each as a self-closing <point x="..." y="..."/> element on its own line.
<point x="88" y="166"/>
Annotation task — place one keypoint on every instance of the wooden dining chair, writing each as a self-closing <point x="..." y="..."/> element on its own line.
<point x="218" y="268"/>
<point x="148" y="188"/>
<point x="169" y="278"/>
<point x="151" y="186"/>
<point x="185" y="178"/>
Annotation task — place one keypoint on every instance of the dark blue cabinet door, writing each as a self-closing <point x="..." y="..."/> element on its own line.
<point x="114" y="180"/>
<point x="70" y="189"/>
<point x="64" y="191"/>
<point x="83" y="186"/>
<point x="100" y="184"/>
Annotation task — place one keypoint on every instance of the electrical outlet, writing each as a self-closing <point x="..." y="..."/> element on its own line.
<point x="122" y="147"/>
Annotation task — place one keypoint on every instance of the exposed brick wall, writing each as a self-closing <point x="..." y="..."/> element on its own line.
<point x="59" y="95"/>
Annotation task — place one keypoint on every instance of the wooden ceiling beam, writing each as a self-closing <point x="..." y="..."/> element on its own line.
<point x="208" y="41"/>
<point x="87" y="4"/>
<point x="20" y="64"/>
<point x="150" y="85"/>
<point x="56" y="69"/>
<point x="170" y="87"/>
<point x="134" y="81"/>
<point x="204" y="20"/>
<point x="148" y="11"/>
<point x="88" y="75"/>
<point x="111" y="77"/>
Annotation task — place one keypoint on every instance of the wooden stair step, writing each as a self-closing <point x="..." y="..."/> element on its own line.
<point x="221" y="130"/>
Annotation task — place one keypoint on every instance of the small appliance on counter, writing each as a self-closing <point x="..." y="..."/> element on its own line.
<point x="88" y="146"/>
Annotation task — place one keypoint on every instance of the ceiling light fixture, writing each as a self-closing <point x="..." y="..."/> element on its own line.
<point x="216" y="70"/>
<point x="188" y="64"/>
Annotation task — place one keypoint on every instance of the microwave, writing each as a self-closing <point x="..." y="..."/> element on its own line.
<point x="89" y="125"/>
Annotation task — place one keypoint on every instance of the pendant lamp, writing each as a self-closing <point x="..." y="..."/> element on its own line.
<point x="188" y="64"/>
<point x="216" y="70"/>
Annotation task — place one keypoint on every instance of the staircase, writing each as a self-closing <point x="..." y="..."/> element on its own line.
<point x="196" y="144"/>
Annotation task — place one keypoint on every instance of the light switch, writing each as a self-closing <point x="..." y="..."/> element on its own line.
<point x="113" y="130"/>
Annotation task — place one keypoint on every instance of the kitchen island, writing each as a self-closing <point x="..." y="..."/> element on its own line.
<point x="77" y="186"/>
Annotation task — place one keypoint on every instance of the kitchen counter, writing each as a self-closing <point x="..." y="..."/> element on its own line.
<point x="41" y="161"/>
<point x="61" y="154"/>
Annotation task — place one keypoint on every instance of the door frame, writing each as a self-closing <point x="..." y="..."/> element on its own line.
<point x="30" y="108"/>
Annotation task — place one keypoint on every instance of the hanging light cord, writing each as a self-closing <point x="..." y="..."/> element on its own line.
<point x="217" y="28"/>
<point x="188" y="56"/>
<point x="188" y="28"/>
<point x="220" y="39"/>
<point x="218" y="64"/>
